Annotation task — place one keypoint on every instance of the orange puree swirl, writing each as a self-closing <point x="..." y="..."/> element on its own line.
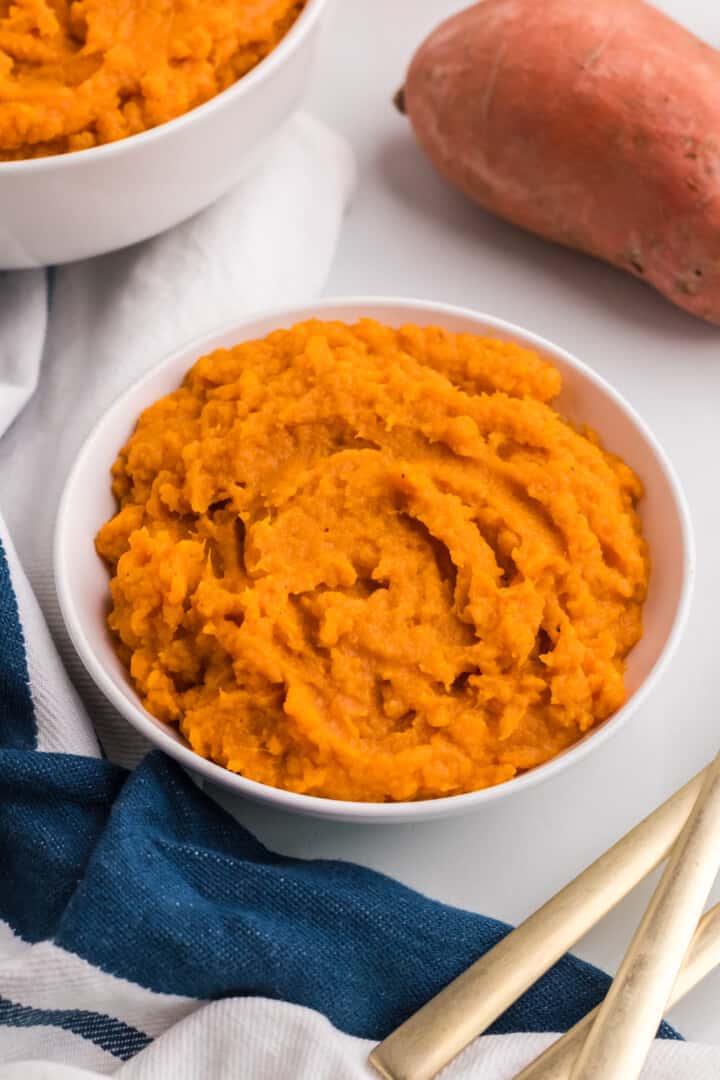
<point x="374" y="564"/>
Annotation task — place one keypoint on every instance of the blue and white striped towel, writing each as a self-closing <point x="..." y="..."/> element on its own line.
<point x="143" y="932"/>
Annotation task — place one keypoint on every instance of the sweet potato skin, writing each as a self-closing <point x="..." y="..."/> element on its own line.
<point x="593" y="124"/>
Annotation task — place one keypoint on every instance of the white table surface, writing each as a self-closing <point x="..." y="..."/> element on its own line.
<point x="408" y="234"/>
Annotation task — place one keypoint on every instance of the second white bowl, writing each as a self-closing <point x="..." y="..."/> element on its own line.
<point x="73" y="206"/>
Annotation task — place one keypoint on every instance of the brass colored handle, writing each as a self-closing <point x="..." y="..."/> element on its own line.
<point x="624" y="1028"/>
<point x="429" y="1039"/>
<point x="557" y="1061"/>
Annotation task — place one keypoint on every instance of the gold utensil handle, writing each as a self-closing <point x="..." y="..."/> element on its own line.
<point x="429" y="1039"/>
<point x="557" y="1061"/>
<point x="624" y="1028"/>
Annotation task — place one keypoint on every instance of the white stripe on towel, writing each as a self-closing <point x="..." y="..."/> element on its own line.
<point x="44" y="976"/>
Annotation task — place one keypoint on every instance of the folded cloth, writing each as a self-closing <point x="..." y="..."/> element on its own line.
<point x="143" y="932"/>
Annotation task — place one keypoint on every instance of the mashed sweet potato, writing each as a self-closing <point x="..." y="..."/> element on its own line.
<point x="373" y="564"/>
<point x="76" y="74"/>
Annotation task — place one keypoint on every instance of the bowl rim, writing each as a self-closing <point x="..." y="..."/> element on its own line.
<point x="319" y="807"/>
<point x="263" y="70"/>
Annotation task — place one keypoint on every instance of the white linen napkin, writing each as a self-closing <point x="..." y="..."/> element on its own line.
<point x="72" y="339"/>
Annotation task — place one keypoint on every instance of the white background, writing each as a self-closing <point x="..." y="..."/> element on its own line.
<point x="408" y="234"/>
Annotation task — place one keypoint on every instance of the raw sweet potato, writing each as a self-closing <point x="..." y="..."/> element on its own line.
<point x="595" y="124"/>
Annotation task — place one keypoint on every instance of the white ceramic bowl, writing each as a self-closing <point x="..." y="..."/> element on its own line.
<point x="71" y="206"/>
<point x="82" y="579"/>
